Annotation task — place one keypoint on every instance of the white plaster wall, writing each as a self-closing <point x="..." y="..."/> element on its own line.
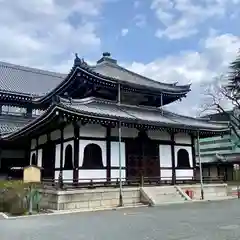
<point x="55" y="135"/>
<point x="115" y="174"/>
<point x="165" y="156"/>
<point x="189" y="149"/>
<point x="64" y="149"/>
<point x="57" y="154"/>
<point x="184" y="174"/>
<point x="126" y="132"/>
<point x="92" y="174"/>
<point x="166" y="174"/>
<point x="182" y="138"/>
<point x="39" y="157"/>
<point x="33" y="143"/>
<point x="42" y="139"/>
<point x="84" y="143"/>
<point x="68" y="131"/>
<point x="31" y="153"/>
<point x="158" y="135"/>
<point x="115" y="154"/>
<point x="93" y="130"/>
<point x="67" y="175"/>
<point x="13" y="154"/>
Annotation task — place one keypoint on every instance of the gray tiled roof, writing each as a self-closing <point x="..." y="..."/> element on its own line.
<point x="98" y="108"/>
<point x="116" y="71"/>
<point x="12" y="123"/>
<point x="27" y="80"/>
<point x="152" y="115"/>
<point x="36" y="82"/>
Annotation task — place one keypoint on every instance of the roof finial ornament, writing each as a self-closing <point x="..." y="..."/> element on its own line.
<point x="77" y="61"/>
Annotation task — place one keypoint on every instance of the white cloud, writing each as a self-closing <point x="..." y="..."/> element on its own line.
<point x="217" y="51"/>
<point x="124" y="32"/>
<point x="181" y="18"/>
<point x="43" y="33"/>
<point x="136" y="4"/>
<point x="140" y="20"/>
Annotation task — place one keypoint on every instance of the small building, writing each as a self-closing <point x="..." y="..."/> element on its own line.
<point x="75" y="124"/>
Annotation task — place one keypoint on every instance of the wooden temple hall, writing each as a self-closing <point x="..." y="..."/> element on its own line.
<point x="82" y="123"/>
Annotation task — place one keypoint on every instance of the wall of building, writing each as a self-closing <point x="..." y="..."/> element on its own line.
<point x="93" y="134"/>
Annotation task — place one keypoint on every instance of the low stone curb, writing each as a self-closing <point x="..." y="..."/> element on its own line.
<point x="63" y="212"/>
<point x="3" y="216"/>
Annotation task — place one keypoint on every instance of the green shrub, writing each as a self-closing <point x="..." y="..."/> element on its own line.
<point x="13" y="197"/>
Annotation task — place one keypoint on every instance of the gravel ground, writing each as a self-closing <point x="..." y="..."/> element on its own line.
<point x="189" y="221"/>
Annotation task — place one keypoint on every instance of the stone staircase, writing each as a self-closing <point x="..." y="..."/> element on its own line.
<point x="159" y="195"/>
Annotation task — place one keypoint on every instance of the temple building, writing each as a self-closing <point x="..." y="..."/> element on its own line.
<point x="74" y="124"/>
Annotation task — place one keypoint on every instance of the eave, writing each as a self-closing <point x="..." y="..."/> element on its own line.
<point x="75" y="114"/>
<point x="85" y="77"/>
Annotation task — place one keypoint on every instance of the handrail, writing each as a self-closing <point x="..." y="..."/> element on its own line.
<point x="114" y="182"/>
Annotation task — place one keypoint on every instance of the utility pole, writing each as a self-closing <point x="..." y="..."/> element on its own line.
<point x="200" y="166"/>
<point x="119" y="150"/>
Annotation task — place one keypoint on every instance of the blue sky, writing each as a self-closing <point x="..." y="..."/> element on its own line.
<point x="189" y="41"/>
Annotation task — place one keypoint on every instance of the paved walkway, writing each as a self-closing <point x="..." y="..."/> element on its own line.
<point x="192" y="221"/>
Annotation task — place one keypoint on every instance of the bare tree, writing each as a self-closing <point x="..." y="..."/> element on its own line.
<point x="223" y="96"/>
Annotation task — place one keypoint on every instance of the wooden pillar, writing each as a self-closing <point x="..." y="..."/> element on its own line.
<point x="108" y="154"/>
<point x="37" y="143"/>
<point x="61" y="148"/>
<point x="76" y="153"/>
<point x="29" y="111"/>
<point x="173" y="160"/>
<point x="194" y="156"/>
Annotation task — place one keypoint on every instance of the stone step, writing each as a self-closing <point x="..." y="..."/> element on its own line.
<point x="158" y="195"/>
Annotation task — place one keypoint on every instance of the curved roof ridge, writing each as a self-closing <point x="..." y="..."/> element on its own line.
<point x="142" y="76"/>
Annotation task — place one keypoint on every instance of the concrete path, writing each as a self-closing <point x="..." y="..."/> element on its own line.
<point x="199" y="221"/>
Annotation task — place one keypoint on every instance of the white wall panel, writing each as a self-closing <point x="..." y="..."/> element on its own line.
<point x="42" y="139"/>
<point x="166" y="174"/>
<point x="189" y="150"/>
<point x="93" y="130"/>
<point x="126" y="132"/>
<point x="33" y="143"/>
<point x="92" y="174"/>
<point x="39" y="162"/>
<point x="84" y="143"/>
<point x="68" y="131"/>
<point x="67" y="175"/>
<point x="159" y="135"/>
<point x="115" y="174"/>
<point x="55" y="135"/>
<point x="184" y="174"/>
<point x="165" y="155"/>
<point x="57" y="156"/>
<point x="115" y="154"/>
<point x="184" y="138"/>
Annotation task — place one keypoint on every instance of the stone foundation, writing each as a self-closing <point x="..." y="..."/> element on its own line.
<point x="211" y="191"/>
<point x="87" y="199"/>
